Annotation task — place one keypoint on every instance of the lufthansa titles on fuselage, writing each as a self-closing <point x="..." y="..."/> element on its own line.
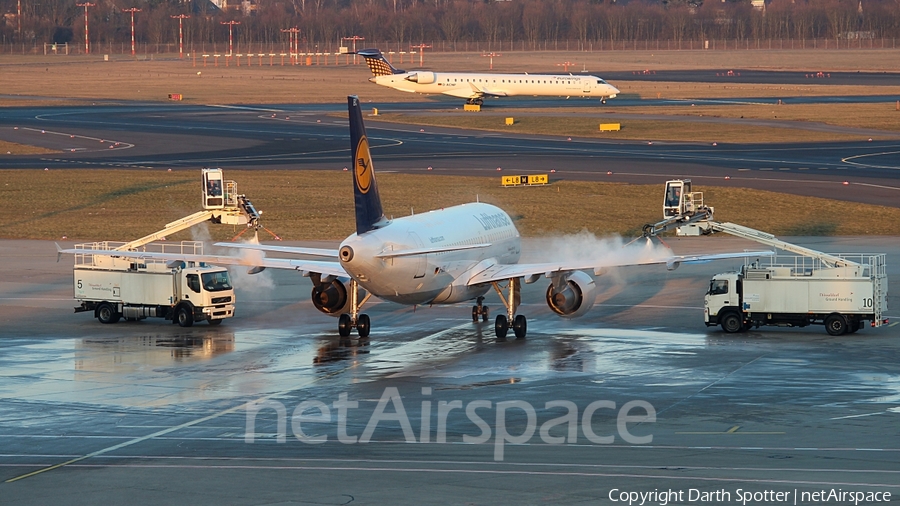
<point x="492" y="221"/>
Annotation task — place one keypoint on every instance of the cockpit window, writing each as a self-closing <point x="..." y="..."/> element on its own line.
<point x="601" y="81"/>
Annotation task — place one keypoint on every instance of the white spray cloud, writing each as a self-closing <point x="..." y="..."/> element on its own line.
<point x="241" y="279"/>
<point x="586" y="248"/>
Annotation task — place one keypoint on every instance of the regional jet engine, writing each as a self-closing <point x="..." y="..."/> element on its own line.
<point x="421" y="77"/>
<point x="331" y="297"/>
<point x="572" y="296"/>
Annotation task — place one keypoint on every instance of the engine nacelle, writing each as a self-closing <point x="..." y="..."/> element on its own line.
<point x="575" y="298"/>
<point x="422" y="77"/>
<point x="333" y="298"/>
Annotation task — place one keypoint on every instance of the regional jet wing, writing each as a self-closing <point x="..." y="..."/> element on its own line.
<point x="304" y="266"/>
<point x="501" y="272"/>
<point x="484" y="91"/>
<point x="315" y="252"/>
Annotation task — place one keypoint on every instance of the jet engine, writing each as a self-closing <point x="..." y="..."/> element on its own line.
<point x="333" y="297"/>
<point x="572" y="296"/>
<point x="422" y="77"/>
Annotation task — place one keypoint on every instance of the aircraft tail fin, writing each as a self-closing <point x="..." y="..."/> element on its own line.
<point x="369" y="214"/>
<point x="377" y="63"/>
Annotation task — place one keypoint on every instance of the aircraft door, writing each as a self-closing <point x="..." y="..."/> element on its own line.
<point x="586" y="85"/>
<point x="417" y="261"/>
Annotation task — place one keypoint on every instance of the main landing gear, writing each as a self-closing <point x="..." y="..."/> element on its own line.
<point x="478" y="310"/>
<point x="511" y="300"/>
<point x="475" y="101"/>
<point x="347" y="322"/>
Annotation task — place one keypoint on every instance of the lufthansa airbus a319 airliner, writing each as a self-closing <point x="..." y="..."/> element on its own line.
<point x="475" y="87"/>
<point x="444" y="256"/>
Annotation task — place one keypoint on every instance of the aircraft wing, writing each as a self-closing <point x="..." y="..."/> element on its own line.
<point x="315" y="252"/>
<point x="482" y="91"/>
<point x="502" y="272"/>
<point x="304" y="266"/>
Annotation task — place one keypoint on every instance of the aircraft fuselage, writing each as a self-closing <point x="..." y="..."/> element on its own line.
<point x="433" y="278"/>
<point x="467" y="85"/>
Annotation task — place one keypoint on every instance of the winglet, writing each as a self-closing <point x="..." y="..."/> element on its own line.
<point x="377" y="63"/>
<point x="59" y="252"/>
<point x="369" y="214"/>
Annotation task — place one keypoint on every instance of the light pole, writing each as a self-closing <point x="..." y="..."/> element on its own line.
<point x="421" y="48"/>
<point x="132" y="11"/>
<point x="87" y="47"/>
<point x="491" y="56"/>
<point x="354" y="38"/>
<point x="230" y="35"/>
<point x="294" y="43"/>
<point x="181" y="18"/>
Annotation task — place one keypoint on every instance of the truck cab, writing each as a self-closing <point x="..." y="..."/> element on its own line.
<point x="205" y="293"/>
<point x="722" y="303"/>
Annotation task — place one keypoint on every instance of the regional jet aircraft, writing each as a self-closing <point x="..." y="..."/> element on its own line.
<point x="474" y="87"/>
<point x="443" y="256"/>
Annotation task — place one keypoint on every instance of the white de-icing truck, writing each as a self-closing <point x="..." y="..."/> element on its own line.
<point x="843" y="292"/>
<point x="115" y="287"/>
<point x="842" y="295"/>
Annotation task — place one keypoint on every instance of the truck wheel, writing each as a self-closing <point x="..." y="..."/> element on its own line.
<point x="732" y="323"/>
<point x="184" y="316"/>
<point x="836" y="325"/>
<point x="106" y="313"/>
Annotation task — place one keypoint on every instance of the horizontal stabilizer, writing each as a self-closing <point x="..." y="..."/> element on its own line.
<point x="320" y="266"/>
<point x="314" y="252"/>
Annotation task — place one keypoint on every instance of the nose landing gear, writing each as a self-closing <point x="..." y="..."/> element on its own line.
<point x="361" y="322"/>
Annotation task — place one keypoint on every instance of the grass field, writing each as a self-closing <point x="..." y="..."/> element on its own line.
<point x="95" y="204"/>
<point x="632" y="129"/>
<point x="12" y="148"/>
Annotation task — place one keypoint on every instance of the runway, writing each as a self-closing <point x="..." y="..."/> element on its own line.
<point x="738" y="75"/>
<point x="105" y="413"/>
<point x="144" y="136"/>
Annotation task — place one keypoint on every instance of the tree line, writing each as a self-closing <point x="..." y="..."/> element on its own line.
<point x="405" y="22"/>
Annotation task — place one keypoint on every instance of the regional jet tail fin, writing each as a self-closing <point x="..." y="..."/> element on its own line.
<point x="369" y="214"/>
<point x="377" y="63"/>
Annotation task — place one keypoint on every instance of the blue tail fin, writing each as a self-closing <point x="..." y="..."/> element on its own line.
<point x="377" y="63"/>
<point x="369" y="214"/>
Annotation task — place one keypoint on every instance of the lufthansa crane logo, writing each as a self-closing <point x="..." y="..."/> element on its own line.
<point x="363" y="172"/>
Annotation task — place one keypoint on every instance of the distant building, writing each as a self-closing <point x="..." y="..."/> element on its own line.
<point x="759" y="5"/>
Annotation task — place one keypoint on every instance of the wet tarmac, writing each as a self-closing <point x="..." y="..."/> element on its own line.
<point x="106" y="414"/>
